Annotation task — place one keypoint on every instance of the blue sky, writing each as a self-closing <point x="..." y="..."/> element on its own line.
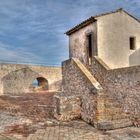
<point x="32" y="31"/>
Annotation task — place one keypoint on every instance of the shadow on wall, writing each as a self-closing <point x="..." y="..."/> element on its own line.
<point x="134" y="58"/>
<point x="17" y="82"/>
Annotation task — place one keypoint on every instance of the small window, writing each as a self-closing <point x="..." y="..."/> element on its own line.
<point x="132" y="41"/>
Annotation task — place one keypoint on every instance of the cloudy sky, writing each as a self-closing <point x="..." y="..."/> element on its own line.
<point x="32" y="31"/>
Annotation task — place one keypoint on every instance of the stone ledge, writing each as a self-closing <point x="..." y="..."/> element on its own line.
<point x="110" y="125"/>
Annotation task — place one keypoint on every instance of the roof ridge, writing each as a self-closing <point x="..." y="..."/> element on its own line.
<point x="93" y="19"/>
<point x="110" y="12"/>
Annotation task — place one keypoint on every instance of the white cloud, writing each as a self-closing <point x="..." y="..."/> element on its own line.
<point x="17" y="55"/>
<point x="29" y="29"/>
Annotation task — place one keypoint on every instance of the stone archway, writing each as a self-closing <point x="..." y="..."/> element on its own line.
<point x="40" y="84"/>
<point x="17" y="82"/>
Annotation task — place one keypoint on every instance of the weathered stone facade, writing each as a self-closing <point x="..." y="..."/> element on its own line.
<point x="79" y="84"/>
<point x="78" y="42"/>
<point x="94" y="104"/>
<point x="18" y="78"/>
<point x="83" y="85"/>
<point x="123" y="85"/>
<point x="107" y="87"/>
<point x="110" y="38"/>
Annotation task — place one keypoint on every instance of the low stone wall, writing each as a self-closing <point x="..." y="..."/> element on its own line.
<point x="67" y="107"/>
<point x="18" y="82"/>
<point x="122" y="85"/>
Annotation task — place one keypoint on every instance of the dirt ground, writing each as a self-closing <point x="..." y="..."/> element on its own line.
<point x="30" y="117"/>
<point x="25" y="111"/>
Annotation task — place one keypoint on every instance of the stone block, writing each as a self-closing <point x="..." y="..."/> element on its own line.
<point x="67" y="107"/>
<point x="110" y="125"/>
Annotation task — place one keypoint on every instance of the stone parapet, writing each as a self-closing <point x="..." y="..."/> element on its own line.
<point x="18" y="78"/>
<point x="67" y="107"/>
<point x="122" y="85"/>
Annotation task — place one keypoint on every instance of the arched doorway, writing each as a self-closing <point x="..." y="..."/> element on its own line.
<point x="40" y="84"/>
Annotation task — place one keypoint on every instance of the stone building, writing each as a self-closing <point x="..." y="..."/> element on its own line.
<point x="101" y="79"/>
<point x="113" y="37"/>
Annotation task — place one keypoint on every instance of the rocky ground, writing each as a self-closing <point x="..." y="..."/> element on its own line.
<point x="23" y="114"/>
<point x="30" y="117"/>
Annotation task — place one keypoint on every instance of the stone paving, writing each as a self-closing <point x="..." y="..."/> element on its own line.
<point x="7" y="119"/>
<point x="22" y="124"/>
<point x="79" y="130"/>
<point x="74" y="130"/>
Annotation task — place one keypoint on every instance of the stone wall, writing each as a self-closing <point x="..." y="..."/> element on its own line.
<point x="18" y="81"/>
<point x="77" y="81"/>
<point x="18" y="78"/>
<point x="78" y="42"/>
<point x="67" y="107"/>
<point x="122" y="85"/>
<point x="84" y="97"/>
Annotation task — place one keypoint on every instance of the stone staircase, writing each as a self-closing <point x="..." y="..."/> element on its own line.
<point x="88" y="75"/>
<point x="107" y="111"/>
<point x="113" y="115"/>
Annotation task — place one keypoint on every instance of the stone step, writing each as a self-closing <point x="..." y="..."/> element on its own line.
<point x="113" y="110"/>
<point x="112" y="105"/>
<point x="120" y="116"/>
<point x="111" y="117"/>
<point x="115" y="116"/>
<point x="108" y="100"/>
<point x="109" y="125"/>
